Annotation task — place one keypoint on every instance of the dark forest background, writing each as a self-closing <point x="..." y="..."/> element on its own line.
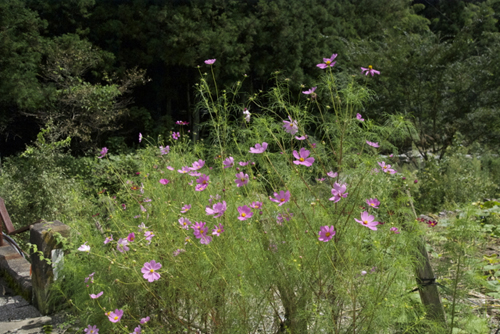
<point x="101" y="71"/>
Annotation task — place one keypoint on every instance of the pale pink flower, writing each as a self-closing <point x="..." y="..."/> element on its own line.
<point x="170" y="168"/>
<point x="243" y="164"/>
<point x="149" y="235"/>
<point x="84" y="247"/>
<point x="185" y="208"/>
<point x="108" y="239"/>
<point x="282" y="197"/>
<point x="218" y="230"/>
<point x="369" y="70"/>
<point x="164" y="181"/>
<point x="195" y="173"/>
<point x="177" y="252"/>
<point x="140" y="137"/>
<point x="137" y="330"/>
<point x="332" y="174"/>
<point x="141" y="227"/>
<point x="241" y="179"/>
<point x="210" y="61"/>
<point x="122" y="245"/>
<point x="328" y="62"/>
<point x="302" y="158"/>
<point x="338" y="192"/>
<point x="259" y="148"/>
<point x="291" y="126"/>
<point x="359" y="117"/>
<point x="198" y="165"/>
<point x="184" y="170"/>
<point x="245" y="212"/>
<point x="386" y="168"/>
<point x="184" y="223"/>
<point x="373" y="202"/>
<point x="164" y="150"/>
<point x="96" y="296"/>
<point x="217" y="210"/>
<point x="394" y="229"/>
<point x="301" y="138"/>
<point x="202" y="183"/>
<point x="310" y="92"/>
<point x="326" y="233"/>
<point x="246" y="113"/>
<point x="368" y="221"/>
<point x="144" y="320"/>
<point x="104" y="151"/>
<point x="115" y="316"/>
<point x="149" y="271"/>
<point x="176" y="135"/>
<point x="256" y="205"/>
<point x="228" y="163"/>
<point x="372" y="144"/>
<point x="91" y="329"/>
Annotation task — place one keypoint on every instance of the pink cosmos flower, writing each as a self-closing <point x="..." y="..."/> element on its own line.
<point x="256" y="205"/>
<point x="368" y="221"/>
<point x="149" y="271"/>
<point x="131" y="237"/>
<point x="164" y="150"/>
<point x="369" y="70"/>
<point x="218" y="230"/>
<point x="184" y="223"/>
<point x="181" y="123"/>
<point x="195" y="173"/>
<point x="241" y="179"/>
<point x="228" y="163"/>
<point x="246" y="113"/>
<point x="284" y="216"/>
<point x="149" y="235"/>
<point x="373" y="202"/>
<point x="243" y="164"/>
<point x="326" y="233"/>
<point x="301" y="138"/>
<point x="122" y="245"/>
<point x="124" y="206"/>
<point x="281" y="198"/>
<point x="198" y="165"/>
<point x="141" y="227"/>
<point x="184" y="170"/>
<point x="338" y="192"/>
<point x="140" y="137"/>
<point x="164" y="181"/>
<point x="115" y="316"/>
<point x="332" y="174"/>
<point x="96" y="296"/>
<point x="359" y="117"/>
<point x="259" y="148"/>
<point x="310" y="92"/>
<point x="202" y="183"/>
<point x="185" y="208"/>
<point x="394" y="229"/>
<point x="291" y="126"/>
<point x="144" y="320"/>
<point x="170" y="168"/>
<point x="137" y="330"/>
<point x="245" y="212"/>
<point x="108" y="239"/>
<point x="372" y="144"/>
<point x="200" y="232"/>
<point x="302" y="158"/>
<point x="328" y="62"/>
<point x="104" y="151"/>
<point x="217" y="210"/>
<point x="91" y="330"/>
<point x="84" y="247"/>
<point x="210" y="61"/>
<point x="176" y="135"/>
<point x="386" y="168"/>
<point x="178" y="251"/>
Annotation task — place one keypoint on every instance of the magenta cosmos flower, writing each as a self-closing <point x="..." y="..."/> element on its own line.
<point x="328" y="62"/>
<point x="108" y="239"/>
<point x="258" y="148"/>
<point x="372" y="144"/>
<point x="228" y="163"/>
<point x="218" y="230"/>
<point x="281" y="198"/>
<point x="241" y="179"/>
<point x="91" y="330"/>
<point x="338" y="192"/>
<point x="373" y="202"/>
<point x="176" y="135"/>
<point x="122" y="245"/>
<point x="291" y="126"/>
<point x="217" y="210"/>
<point x="137" y="330"/>
<point x="242" y="163"/>
<point x="140" y="137"/>
<point x="301" y="137"/>
<point x="302" y="158"/>
<point x="256" y="205"/>
<point x="394" y="229"/>
<point x="369" y="70"/>
<point x="200" y="232"/>
<point x="115" y="316"/>
<point x="164" y="150"/>
<point x="326" y="233"/>
<point x="245" y="212"/>
<point x="144" y="320"/>
<point x="368" y="221"/>
<point x="96" y="296"/>
<point x="164" y="181"/>
<point x="184" y="170"/>
<point x="310" y="91"/>
<point x="198" y="165"/>
<point x="184" y="223"/>
<point x="202" y="183"/>
<point x="131" y="237"/>
<point x="149" y="271"/>
<point x="360" y="118"/>
<point x="210" y="61"/>
<point x="104" y="151"/>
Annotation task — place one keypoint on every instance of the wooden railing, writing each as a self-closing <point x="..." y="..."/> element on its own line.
<point x="5" y="220"/>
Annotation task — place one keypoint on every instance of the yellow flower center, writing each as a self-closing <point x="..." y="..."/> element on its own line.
<point x="116" y="318"/>
<point x="301" y="159"/>
<point x="243" y="214"/>
<point x="327" y="234"/>
<point x="218" y="230"/>
<point x="243" y="180"/>
<point x="291" y="125"/>
<point x="372" y="204"/>
<point x="204" y="182"/>
<point x="365" y="222"/>
<point x="328" y="62"/>
<point x="282" y="200"/>
<point x="151" y="270"/>
<point x="370" y="67"/>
